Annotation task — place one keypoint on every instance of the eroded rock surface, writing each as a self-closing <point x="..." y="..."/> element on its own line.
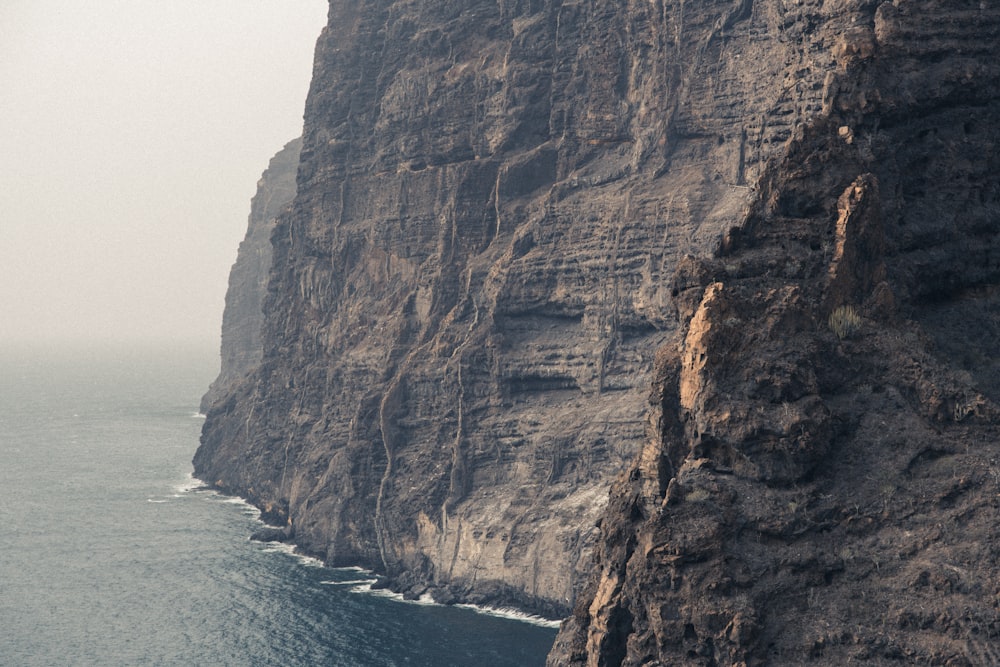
<point x="469" y="290"/>
<point x="513" y="217"/>
<point x="822" y="486"/>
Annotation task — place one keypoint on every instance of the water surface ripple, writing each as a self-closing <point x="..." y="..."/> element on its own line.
<point x="112" y="555"/>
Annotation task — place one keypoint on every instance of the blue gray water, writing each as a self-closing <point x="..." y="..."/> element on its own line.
<point x="111" y="555"/>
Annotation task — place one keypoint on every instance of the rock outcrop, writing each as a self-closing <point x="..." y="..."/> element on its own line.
<point x="243" y="316"/>
<point x="469" y="290"/>
<point x="822" y="486"/>
<point x="513" y="217"/>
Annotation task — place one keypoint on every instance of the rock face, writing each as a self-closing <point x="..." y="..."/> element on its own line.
<point x="243" y="316"/>
<point x="823" y="484"/>
<point x="513" y="217"/>
<point x="469" y="290"/>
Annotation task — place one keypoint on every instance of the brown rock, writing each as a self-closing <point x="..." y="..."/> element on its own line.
<point x="834" y="500"/>
<point x="507" y="213"/>
<point x="470" y="287"/>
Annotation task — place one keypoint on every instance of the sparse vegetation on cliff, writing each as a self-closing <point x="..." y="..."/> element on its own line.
<point x="844" y="321"/>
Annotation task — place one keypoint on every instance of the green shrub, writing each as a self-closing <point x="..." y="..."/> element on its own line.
<point x="844" y="321"/>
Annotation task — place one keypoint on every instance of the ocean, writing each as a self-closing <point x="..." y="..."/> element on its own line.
<point x="111" y="554"/>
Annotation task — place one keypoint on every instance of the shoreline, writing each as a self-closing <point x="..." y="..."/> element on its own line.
<point x="372" y="583"/>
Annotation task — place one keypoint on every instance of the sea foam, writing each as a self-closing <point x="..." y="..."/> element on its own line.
<point x="365" y="586"/>
<point x="190" y="483"/>
<point x="289" y="550"/>
<point x="513" y="614"/>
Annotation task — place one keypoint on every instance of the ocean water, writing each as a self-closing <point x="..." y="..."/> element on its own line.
<point x="111" y="554"/>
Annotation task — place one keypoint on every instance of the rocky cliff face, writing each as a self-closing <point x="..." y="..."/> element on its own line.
<point x="473" y="280"/>
<point x="505" y="209"/>
<point x="243" y="316"/>
<point x="823" y="484"/>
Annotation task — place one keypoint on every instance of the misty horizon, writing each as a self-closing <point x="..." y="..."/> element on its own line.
<point x="134" y="136"/>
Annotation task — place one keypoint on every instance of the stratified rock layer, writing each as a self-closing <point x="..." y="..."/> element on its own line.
<point x="823" y="487"/>
<point x="506" y="210"/>
<point x="243" y="316"/>
<point x="469" y="290"/>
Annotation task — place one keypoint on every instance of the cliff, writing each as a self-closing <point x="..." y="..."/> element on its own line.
<point x="513" y="218"/>
<point x="822" y="486"/>
<point x="243" y="316"/>
<point x="474" y="277"/>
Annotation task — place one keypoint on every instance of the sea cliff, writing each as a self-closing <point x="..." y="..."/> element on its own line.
<point x="822" y="484"/>
<point x="243" y="316"/>
<point x="514" y="219"/>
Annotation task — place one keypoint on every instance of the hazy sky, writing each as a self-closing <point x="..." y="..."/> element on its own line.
<point x="132" y="135"/>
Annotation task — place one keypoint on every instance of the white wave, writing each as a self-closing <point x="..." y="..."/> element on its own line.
<point x="513" y="614"/>
<point x="362" y="585"/>
<point x="242" y="503"/>
<point x="379" y="592"/>
<point x="349" y="582"/>
<point x="278" y="548"/>
<point x="289" y="549"/>
<point x="269" y="547"/>
<point x="365" y="586"/>
<point x="190" y="483"/>
<point x="309" y="561"/>
<point x="424" y="600"/>
<point x="198" y="415"/>
<point x="156" y="500"/>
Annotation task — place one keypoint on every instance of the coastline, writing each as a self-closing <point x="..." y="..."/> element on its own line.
<point x="370" y="582"/>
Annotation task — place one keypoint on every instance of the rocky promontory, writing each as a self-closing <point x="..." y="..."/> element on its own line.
<point x="243" y="316"/>
<point x="513" y="219"/>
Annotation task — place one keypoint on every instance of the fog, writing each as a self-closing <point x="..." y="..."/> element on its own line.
<point x="132" y="136"/>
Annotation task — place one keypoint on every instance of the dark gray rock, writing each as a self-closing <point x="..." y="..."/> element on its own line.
<point x="270" y="534"/>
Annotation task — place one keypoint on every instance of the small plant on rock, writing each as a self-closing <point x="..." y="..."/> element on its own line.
<point x="844" y="321"/>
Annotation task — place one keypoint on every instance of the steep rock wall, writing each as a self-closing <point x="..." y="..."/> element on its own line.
<point x="822" y="486"/>
<point x="468" y="292"/>
<point x="243" y="317"/>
